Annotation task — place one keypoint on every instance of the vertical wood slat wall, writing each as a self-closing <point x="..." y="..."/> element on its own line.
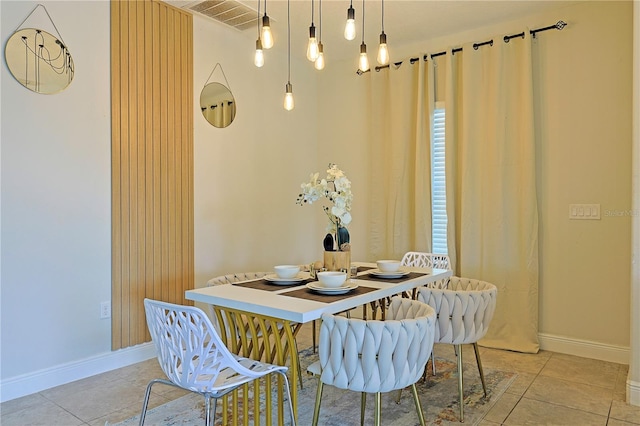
<point x="152" y="161"/>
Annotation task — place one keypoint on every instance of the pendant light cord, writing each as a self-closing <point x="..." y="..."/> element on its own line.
<point x="320" y="16"/>
<point x="383" y="16"/>
<point x="259" y="19"/>
<point x="288" y="40"/>
<point x="363" y="21"/>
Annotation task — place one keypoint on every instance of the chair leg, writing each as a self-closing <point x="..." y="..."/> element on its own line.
<point x="459" y="354"/>
<point x="363" y="405"/>
<point x="316" y="409"/>
<point x="484" y="386"/>
<point x="433" y="366"/>
<point x="286" y="383"/>
<point x="378" y="404"/>
<point x="207" y="411"/>
<point x="145" y="403"/>
<point x="399" y="396"/>
<point x="433" y="362"/>
<point x="418" y="405"/>
<point x="313" y="335"/>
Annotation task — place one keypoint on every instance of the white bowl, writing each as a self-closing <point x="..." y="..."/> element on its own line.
<point x="332" y="279"/>
<point x="388" y="265"/>
<point x="286" y="271"/>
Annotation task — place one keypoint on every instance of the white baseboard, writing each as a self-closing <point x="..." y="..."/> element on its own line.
<point x="633" y="392"/>
<point x="37" y="381"/>
<point x="584" y="348"/>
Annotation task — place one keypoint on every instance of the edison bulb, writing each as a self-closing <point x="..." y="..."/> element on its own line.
<point x="267" y="37"/>
<point x="383" y="51"/>
<point x="350" y="27"/>
<point x="383" y="55"/>
<point x="363" y="62"/>
<point x="288" y="97"/>
<point x="312" y="46"/>
<point x="319" y="64"/>
<point x="258" y="60"/>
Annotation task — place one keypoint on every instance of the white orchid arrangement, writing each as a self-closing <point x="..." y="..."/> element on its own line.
<point x="337" y="189"/>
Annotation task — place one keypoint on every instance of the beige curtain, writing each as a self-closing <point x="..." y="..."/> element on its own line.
<point x="491" y="192"/>
<point x="221" y="113"/>
<point x="401" y="105"/>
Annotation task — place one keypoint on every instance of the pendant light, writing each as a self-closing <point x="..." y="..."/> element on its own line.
<point x="350" y="27"/>
<point x="383" y="52"/>
<point x="258" y="60"/>
<point x="267" y="37"/>
<point x="319" y="63"/>
<point x="363" y="63"/>
<point x="312" y="46"/>
<point x="288" y="96"/>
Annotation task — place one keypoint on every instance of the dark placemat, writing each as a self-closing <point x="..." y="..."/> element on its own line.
<point x="365" y="268"/>
<point x="410" y="276"/>
<point x="263" y="284"/>
<point x="306" y="293"/>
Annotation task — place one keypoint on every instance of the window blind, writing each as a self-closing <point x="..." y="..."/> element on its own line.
<point x="438" y="189"/>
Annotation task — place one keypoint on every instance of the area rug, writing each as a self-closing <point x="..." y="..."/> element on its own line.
<point x="438" y="395"/>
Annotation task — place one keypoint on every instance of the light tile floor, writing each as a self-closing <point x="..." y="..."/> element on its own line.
<point x="550" y="389"/>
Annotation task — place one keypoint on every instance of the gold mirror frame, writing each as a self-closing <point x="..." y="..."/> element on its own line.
<point x="38" y="60"/>
<point x="217" y="104"/>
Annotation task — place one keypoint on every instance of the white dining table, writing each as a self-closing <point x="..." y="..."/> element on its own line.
<point x="279" y="304"/>
<point x="258" y="309"/>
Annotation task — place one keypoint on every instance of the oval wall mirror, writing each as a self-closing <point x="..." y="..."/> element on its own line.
<point x="39" y="61"/>
<point x="217" y="104"/>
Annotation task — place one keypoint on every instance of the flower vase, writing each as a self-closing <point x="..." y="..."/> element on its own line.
<point x="342" y="237"/>
<point x="337" y="260"/>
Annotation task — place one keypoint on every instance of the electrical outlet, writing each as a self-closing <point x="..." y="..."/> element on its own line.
<point x="105" y="310"/>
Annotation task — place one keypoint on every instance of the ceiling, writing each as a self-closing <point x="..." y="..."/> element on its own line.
<point x="405" y="21"/>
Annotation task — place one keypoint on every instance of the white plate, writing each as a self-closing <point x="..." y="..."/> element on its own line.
<point x="344" y="288"/>
<point x="273" y="278"/>
<point x="397" y="274"/>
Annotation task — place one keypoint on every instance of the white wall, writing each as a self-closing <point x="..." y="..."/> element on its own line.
<point x="583" y="78"/>
<point x="247" y="176"/>
<point x="56" y="226"/>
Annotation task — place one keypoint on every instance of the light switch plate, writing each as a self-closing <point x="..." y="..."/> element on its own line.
<point x="584" y="211"/>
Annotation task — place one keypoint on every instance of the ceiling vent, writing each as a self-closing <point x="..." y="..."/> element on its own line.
<point x="229" y="12"/>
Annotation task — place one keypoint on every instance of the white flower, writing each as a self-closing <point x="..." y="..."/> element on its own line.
<point x="336" y="188"/>
<point x="342" y="184"/>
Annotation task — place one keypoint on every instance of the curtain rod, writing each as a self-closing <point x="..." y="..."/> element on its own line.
<point x="558" y="25"/>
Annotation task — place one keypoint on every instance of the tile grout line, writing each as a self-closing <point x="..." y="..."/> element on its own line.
<point x="525" y="391"/>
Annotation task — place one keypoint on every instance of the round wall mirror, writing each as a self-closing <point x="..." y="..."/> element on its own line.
<point x="217" y="104"/>
<point x="39" y="61"/>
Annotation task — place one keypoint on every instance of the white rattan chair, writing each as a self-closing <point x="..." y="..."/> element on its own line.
<point x="420" y="259"/>
<point x="464" y="310"/>
<point x="374" y="356"/>
<point x="428" y="260"/>
<point x="194" y="358"/>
